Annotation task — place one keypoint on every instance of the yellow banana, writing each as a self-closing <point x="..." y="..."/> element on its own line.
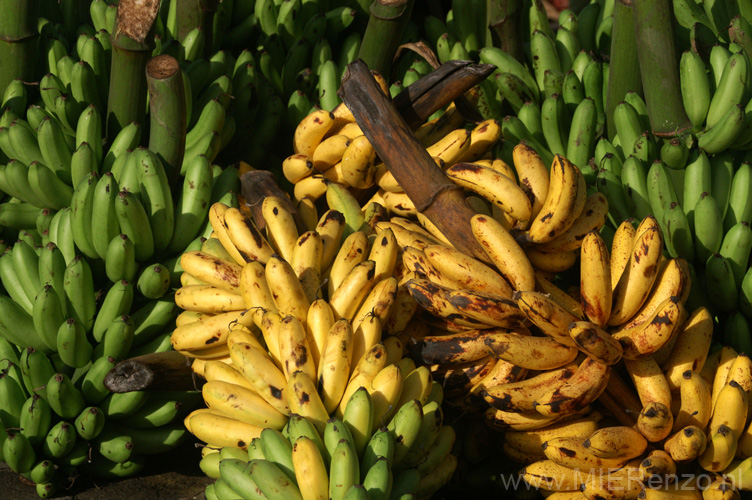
<point x="280" y="226"/>
<point x="618" y="442"/>
<point x="451" y="147"/>
<point x="657" y="466"/>
<point x="331" y="226"/>
<point x="546" y="286"/>
<point x="638" y="277"/>
<point x="686" y="445"/>
<point x="306" y="263"/>
<point x="347" y="299"/>
<point x="343" y="117"/>
<point x="366" y="369"/>
<point x="406" y="237"/>
<point x="673" y="280"/>
<point x="219" y="371"/>
<point x="519" y="421"/>
<point x="334" y="365"/>
<point x="304" y="400"/>
<point x="416" y="261"/>
<point x="259" y="369"/>
<point x="208" y="299"/>
<point x="312" y="187"/>
<point x="351" y="130"/>
<point x="297" y="167"/>
<point x="207" y="331"/>
<point x="521" y="396"/>
<point x="399" y="204"/>
<point x="595" y="279"/>
<point x="431" y="228"/>
<point x="377" y="304"/>
<point x="242" y="404"/>
<point x="486" y="308"/>
<point x="720" y="488"/>
<point x="502" y="372"/>
<point x="648" y="337"/>
<point x="211" y="270"/>
<point x="385" y="179"/>
<point x="533" y="175"/>
<point x="595" y="342"/>
<point x="294" y="349"/>
<point x="564" y="202"/>
<point x="217" y="219"/>
<point x="591" y="218"/>
<point x="329" y="152"/>
<point x="385" y="391"/>
<point x="731" y="408"/>
<point x="255" y="290"/>
<point x="311" y="130"/>
<point x="691" y="348"/>
<point x="215" y="428"/>
<point x="741" y="373"/>
<point x="246" y="237"/>
<point x="358" y="168"/>
<point x="550" y="476"/>
<point x="533" y="353"/>
<point x="571" y="452"/>
<point x="695" y="400"/>
<point x="365" y="336"/>
<point x="649" y="381"/>
<point x="531" y="441"/>
<point x="720" y="449"/>
<point x="504" y="252"/>
<point x="353" y="251"/>
<point x="727" y="358"/>
<point x="621" y="249"/>
<point x="482" y="139"/>
<point x="310" y="470"/>
<point x="384" y="252"/>
<point x="287" y="292"/>
<point x="493" y="186"/>
<point x="546" y="314"/>
<point x="466" y="271"/>
<point x="655" y="421"/>
<point x="584" y="387"/>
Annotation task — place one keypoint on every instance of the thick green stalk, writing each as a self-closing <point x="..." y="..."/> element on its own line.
<point x="132" y="44"/>
<point x="624" y="67"/>
<point x="504" y="20"/>
<point x="659" y="66"/>
<point x="18" y="40"/>
<point x="384" y="33"/>
<point x="166" y="112"/>
<point x="197" y="14"/>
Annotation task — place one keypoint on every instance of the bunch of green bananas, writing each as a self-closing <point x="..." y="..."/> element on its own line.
<point x="408" y="457"/>
<point x="58" y="417"/>
<point x="555" y="103"/>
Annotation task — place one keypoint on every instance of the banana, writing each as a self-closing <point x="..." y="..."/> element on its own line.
<point x="720" y="449"/>
<point x="357" y="284"/>
<point x="638" y="277"/>
<point x="208" y="330"/>
<point x="268" y="381"/>
<point x="616" y="442"/>
<point x="634" y="182"/>
<point x="571" y="452"/>
<point x="648" y="337"/>
<point x="215" y="428"/>
<point x="649" y="381"/>
<point x="521" y="396"/>
<point x="466" y="271"/>
<point x="591" y="218"/>
<point x="334" y="365"/>
<point x="595" y="279"/>
<point x="294" y="348"/>
<point x="565" y="201"/>
<point x="595" y="342"/>
<point x="246" y="237"/>
<point x="242" y="404"/>
<point x="730" y="89"/>
<point x="720" y="488"/>
<point x="695" y="402"/>
<point x="686" y="445"/>
<point x="385" y="390"/>
<point x="534" y="353"/>
<point x="546" y="314"/>
<point x="353" y="251"/>
<point x="54" y="148"/>
<point x="719" y="137"/>
<point x="582" y="132"/>
<point x="733" y="399"/>
<point x="548" y="475"/>
<point x="691" y="349"/>
<point x="495" y="187"/>
<point x="311" y="130"/>
<point x="504" y="251"/>
<point x="588" y="382"/>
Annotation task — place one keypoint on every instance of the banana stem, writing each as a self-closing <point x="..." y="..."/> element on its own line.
<point x="132" y="44"/>
<point x="18" y="40"/>
<point x="659" y="67"/>
<point x="624" y="67"/>
<point x="383" y="33"/>
<point x="167" y="118"/>
<point x="504" y="20"/>
<point x="427" y="186"/>
<point x="162" y="371"/>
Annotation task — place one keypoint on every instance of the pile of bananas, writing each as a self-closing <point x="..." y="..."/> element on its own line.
<point x="350" y="457"/>
<point x="273" y="350"/>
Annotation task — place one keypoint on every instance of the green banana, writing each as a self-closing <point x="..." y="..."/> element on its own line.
<point x="730" y="90"/>
<point x="581" y="141"/>
<point x="739" y="202"/>
<point x="344" y="470"/>
<point x="12" y="397"/>
<point x="134" y="222"/>
<point x="736" y="332"/>
<point x="17" y="326"/>
<point x="154" y="281"/>
<point x="156" y="412"/>
<point x="18" y="215"/>
<point x="26" y="264"/>
<point x="89" y="423"/>
<point x="661" y="191"/>
<point x="18" y="453"/>
<point x="113" y="445"/>
<point x="678" y="233"/>
<point x="610" y="185"/>
<point x="358" y="417"/>
<point x="405" y="425"/>
<point x="745" y="295"/>
<point x="72" y="345"/>
<point x="92" y="385"/>
<point x="64" y="398"/>
<point x="128" y="138"/>
<point x="153" y="318"/>
<point x="299" y="426"/>
<point x="54" y="148"/>
<point x="60" y="440"/>
<point x="719" y="277"/>
<point x="717" y="138"/>
<point x="37" y="369"/>
<point x="278" y="450"/>
<point x="695" y="87"/>
<point x="42" y="472"/>
<point x="708" y="227"/>
<point x="47" y="315"/>
<point x="105" y="226"/>
<point x="99" y="466"/>
<point x="23" y="139"/>
<point x="118" y="338"/>
<point x="555" y="124"/>
<point x="119" y="406"/>
<point x="234" y="474"/>
<point x="381" y="444"/>
<point x="79" y="293"/>
<point x="736" y="247"/>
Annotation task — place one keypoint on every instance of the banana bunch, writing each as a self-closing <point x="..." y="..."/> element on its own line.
<point x="407" y="455"/>
<point x="58" y="418"/>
